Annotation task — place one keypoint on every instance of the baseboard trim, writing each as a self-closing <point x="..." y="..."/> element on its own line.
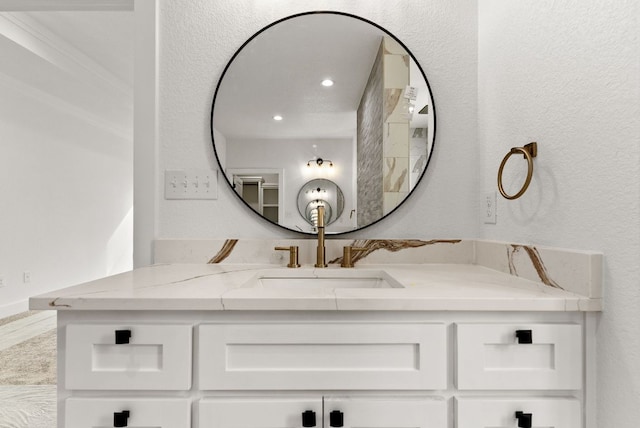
<point x="14" y="308"/>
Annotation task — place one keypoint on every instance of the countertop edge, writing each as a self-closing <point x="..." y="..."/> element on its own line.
<point x="184" y="287"/>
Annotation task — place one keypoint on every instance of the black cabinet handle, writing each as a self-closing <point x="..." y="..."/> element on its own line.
<point x="336" y="418"/>
<point x="524" y="419"/>
<point x="524" y="336"/>
<point x="122" y="336"/>
<point x="308" y="418"/>
<point x="121" y="419"/>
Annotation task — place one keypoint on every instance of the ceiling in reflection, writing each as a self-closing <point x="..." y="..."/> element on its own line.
<point x="281" y="68"/>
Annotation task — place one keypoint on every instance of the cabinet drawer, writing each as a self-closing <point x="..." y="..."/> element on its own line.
<point x="489" y="356"/>
<point x="497" y="412"/>
<point x="322" y="356"/>
<point x="156" y="357"/>
<point x="150" y="412"/>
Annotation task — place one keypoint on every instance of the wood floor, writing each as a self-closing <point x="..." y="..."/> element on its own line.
<point x="27" y="406"/>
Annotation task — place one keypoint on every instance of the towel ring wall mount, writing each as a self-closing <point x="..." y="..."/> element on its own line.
<point x="529" y="151"/>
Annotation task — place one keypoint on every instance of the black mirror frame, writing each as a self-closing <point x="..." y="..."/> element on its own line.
<point x="221" y="168"/>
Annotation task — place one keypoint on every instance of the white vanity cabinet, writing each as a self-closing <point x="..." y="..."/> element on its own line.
<point x="291" y="369"/>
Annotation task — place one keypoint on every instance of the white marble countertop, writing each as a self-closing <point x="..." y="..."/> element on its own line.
<point x="426" y="287"/>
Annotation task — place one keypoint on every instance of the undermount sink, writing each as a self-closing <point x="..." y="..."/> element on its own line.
<point x="323" y="279"/>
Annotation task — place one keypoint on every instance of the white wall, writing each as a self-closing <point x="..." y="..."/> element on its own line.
<point x="566" y="74"/>
<point x="199" y="37"/>
<point x="221" y="147"/>
<point x="65" y="170"/>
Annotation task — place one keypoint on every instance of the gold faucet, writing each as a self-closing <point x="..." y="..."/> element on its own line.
<point x="347" y="255"/>
<point x="320" y="260"/>
<point x="293" y="255"/>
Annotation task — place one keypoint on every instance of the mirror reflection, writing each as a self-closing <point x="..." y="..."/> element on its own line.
<point x="323" y="96"/>
<point x="320" y="192"/>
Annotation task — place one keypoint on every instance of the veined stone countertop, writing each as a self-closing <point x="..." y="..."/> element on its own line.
<point x="220" y="287"/>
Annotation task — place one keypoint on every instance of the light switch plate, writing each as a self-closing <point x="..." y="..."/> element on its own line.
<point x="488" y="208"/>
<point x="191" y="184"/>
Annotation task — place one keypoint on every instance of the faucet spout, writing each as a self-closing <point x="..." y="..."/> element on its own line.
<point x="320" y="259"/>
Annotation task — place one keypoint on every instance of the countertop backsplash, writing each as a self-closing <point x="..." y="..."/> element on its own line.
<point x="576" y="271"/>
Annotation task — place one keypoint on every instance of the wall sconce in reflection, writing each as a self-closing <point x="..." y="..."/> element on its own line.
<point x="315" y="193"/>
<point x="319" y="162"/>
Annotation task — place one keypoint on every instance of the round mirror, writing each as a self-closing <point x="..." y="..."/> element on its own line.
<point x="323" y="96"/>
<point x="320" y="192"/>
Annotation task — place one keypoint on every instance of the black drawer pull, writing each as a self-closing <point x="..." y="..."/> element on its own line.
<point x="121" y="419"/>
<point x="122" y="336"/>
<point x="308" y="418"/>
<point x="336" y="419"/>
<point x="524" y="419"/>
<point x="524" y="336"/>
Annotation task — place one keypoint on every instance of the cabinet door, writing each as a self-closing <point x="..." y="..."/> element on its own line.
<point x="244" y="412"/>
<point x="385" y="412"/>
<point x="142" y="412"/>
<point x="348" y="412"/>
<point x="503" y="412"/>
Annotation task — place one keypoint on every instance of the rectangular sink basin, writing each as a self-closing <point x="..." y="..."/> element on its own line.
<point x="319" y="279"/>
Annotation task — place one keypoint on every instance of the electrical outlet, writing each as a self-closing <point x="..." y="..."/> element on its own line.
<point x="191" y="184"/>
<point x="488" y="208"/>
<point x="1" y="281"/>
<point x="26" y="277"/>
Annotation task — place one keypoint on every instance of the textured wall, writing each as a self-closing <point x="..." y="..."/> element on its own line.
<point x="197" y="39"/>
<point x="565" y="74"/>
<point x="369" y="147"/>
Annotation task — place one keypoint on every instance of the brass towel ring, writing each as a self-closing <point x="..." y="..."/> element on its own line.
<point x="529" y="151"/>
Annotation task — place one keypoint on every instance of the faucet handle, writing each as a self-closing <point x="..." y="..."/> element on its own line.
<point x="347" y="253"/>
<point x="293" y="255"/>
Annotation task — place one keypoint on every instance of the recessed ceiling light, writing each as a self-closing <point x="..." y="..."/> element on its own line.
<point x="327" y="82"/>
<point x="277" y="117"/>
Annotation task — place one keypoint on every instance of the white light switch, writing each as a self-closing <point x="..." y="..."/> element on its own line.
<point x="191" y="184"/>
<point x="488" y="208"/>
